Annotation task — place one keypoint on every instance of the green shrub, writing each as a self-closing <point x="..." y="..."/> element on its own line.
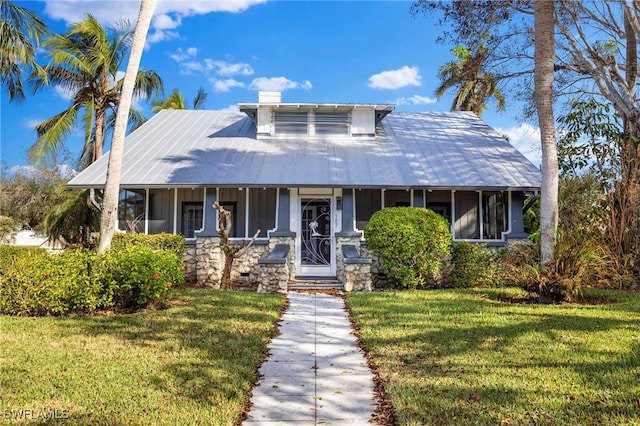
<point x="413" y="244"/>
<point x="133" y="276"/>
<point x="34" y="282"/>
<point x="164" y="241"/>
<point x="473" y="266"/>
<point x="9" y="254"/>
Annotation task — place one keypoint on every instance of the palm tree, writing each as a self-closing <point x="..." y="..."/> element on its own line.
<point x="112" y="185"/>
<point x="85" y="62"/>
<point x="20" y="33"/>
<point x="544" y="56"/>
<point x="177" y="101"/>
<point x="72" y="219"/>
<point x="474" y="87"/>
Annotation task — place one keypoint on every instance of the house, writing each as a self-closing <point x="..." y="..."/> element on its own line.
<point x="309" y="176"/>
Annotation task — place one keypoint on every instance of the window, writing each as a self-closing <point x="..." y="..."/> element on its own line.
<point x="368" y="201"/>
<point x="232" y="208"/>
<point x="311" y="123"/>
<point x="130" y="211"/>
<point x="397" y="198"/>
<point x="290" y="123"/>
<point x="467" y="226"/>
<point x="262" y="210"/>
<point x="443" y="209"/>
<point x="494" y="215"/>
<point x="332" y="123"/>
<point x="192" y="216"/>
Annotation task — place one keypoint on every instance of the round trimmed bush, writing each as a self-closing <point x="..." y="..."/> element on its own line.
<point x="413" y="243"/>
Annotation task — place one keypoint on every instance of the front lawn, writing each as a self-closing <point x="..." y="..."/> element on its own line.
<point x="191" y="364"/>
<point x="465" y="357"/>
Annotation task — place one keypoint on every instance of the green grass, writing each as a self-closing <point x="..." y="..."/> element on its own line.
<point x="193" y="364"/>
<point x="463" y="357"/>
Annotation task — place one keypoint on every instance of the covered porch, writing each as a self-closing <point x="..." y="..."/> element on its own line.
<point x="314" y="223"/>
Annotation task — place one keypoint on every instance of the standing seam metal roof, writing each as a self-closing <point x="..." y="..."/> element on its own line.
<point x="195" y="148"/>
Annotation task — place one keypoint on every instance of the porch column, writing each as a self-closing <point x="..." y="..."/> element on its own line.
<point x="210" y="216"/>
<point x="515" y="207"/>
<point x="348" y="216"/>
<point x="283" y="227"/>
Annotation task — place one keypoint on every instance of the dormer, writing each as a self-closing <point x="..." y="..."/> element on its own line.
<point x="273" y="118"/>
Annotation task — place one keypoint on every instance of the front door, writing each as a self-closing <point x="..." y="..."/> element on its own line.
<point x="316" y="243"/>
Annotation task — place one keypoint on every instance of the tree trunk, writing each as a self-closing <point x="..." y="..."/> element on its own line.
<point x="543" y="94"/>
<point x="112" y="185"/>
<point x="98" y="144"/>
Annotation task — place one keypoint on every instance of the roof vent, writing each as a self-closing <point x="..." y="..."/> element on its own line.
<point x="269" y="97"/>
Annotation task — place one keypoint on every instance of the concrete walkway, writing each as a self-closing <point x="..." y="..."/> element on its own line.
<point x="315" y="372"/>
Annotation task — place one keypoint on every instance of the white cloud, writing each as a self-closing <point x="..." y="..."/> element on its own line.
<point x="277" y="84"/>
<point x="167" y="18"/>
<point x="526" y="139"/>
<point x="157" y="36"/>
<point x="183" y="55"/>
<point x="415" y="100"/>
<point x="188" y="63"/>
<point x="225" y="85"/>
<point x="224" y="68"/>
<point x="395" y="79"/>
<point x="166" y="22"/>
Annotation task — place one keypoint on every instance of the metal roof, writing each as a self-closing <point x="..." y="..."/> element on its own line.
<point x="431" y="150"/>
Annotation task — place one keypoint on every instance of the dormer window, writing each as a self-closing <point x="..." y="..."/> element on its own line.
<point x="274" y="118"/>
<point x="290" y="123"/>
<point x="311" y="123"/>
<point x="332" y="123"/>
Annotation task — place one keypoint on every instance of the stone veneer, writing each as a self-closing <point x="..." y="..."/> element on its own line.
<point x="275" y="277"/>
<point x="204" y="261"/>
<point x="355" y="276"/>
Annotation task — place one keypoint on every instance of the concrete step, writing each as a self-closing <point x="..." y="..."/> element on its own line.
<point x="315" y="284"/>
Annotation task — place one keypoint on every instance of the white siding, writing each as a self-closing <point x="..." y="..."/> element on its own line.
<point x="363" y="122"/>
<point x="264" y="121"/>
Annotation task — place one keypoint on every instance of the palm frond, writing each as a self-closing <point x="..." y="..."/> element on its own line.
<point x="51" y="134"/>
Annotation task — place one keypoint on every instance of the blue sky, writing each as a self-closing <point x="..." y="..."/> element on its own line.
<point x="311" y="51"/>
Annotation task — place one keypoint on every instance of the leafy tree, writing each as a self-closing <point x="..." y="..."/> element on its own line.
<point x="474" y="86"/>
<point x="114" y="168"/>
<point x="596" y="58"/>
<point x="26" y="195"/>
<point x="20" y="33"/>
<point x="85" y="62"/>
<point x="177" y="101"/>
<point x="7" y="230"/>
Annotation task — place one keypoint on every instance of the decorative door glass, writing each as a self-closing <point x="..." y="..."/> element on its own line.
<point x="316" y="232"/>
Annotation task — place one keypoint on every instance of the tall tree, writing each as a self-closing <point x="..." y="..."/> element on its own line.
<point x="596" y="58"/>
<point x="112" y="186"/>
<point x="177" y="101"/>
<point x="610" y="64"/>
<point x="474" y="86"/>
<point x="544" y="42"/>
<point x="20" y="33"/>
<point x="85" y="62"/>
